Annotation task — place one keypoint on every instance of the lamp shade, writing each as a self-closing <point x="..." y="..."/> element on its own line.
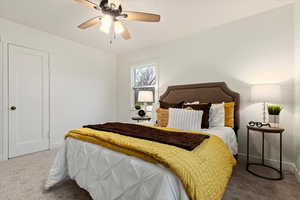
<point x="145" y="96"/>
<point x="270" y="93"/>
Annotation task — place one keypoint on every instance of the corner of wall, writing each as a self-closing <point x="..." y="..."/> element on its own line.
<point x="118" y="82"/>
<point x="1" y="103"/>
<point x="297" y="87"/>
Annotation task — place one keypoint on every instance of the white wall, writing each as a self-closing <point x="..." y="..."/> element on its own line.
<point x="258" y="49"/>
<point x="82" y="85"/>
<point x="297" y="86"/>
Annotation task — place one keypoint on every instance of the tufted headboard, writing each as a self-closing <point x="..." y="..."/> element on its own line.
<point x="216" y="92"/>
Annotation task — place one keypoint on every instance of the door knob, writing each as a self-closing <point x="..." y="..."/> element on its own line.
<point x="13" y="108"/>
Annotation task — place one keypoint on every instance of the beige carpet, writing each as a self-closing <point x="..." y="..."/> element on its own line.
<point x="23" y="178"/>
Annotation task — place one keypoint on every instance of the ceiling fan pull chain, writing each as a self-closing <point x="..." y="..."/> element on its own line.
<point x="112" y="37"/>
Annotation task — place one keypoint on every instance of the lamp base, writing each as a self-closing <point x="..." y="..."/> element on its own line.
<point x="142" y="113"/>
<point x="264" y="112"/>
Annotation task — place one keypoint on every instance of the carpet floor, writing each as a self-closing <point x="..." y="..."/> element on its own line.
<point x="23" y="178"/>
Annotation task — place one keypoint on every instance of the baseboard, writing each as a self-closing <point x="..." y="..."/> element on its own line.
<point x="3" y="158"/>
<point x="56" y="145"/>
<point x="287" y="166"/>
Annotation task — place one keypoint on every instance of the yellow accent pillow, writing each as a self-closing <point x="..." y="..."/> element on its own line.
<point x="229" y="114"/>
<point x="162" y="117"/>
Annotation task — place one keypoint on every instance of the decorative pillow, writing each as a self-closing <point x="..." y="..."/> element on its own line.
<point x="162" y="117"/>
<point x="189" y="120"/>
<point x="217" y="115"/>
<point x="205" y="108"/>
<point x="167" y="105"/>
<point x="229" y="114"/>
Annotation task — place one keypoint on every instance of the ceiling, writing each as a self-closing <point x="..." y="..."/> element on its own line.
<point x="61" y="17"/>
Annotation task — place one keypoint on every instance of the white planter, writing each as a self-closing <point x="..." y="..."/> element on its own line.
<point x="274" y="120"/>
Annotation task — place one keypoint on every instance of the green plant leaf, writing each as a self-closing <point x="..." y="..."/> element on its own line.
<point x="274" y="109"/>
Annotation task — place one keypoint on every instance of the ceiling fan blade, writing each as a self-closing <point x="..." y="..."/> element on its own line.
<point x="140" y="16"/>
<point x="125" y="34"/>
<point x="87" y="3"/>
<point x="90" y="22"/>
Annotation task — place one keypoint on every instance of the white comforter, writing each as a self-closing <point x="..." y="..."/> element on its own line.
<point x="109" y="175"/>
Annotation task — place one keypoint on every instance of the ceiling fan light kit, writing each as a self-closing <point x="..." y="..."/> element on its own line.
<point x="107" y="20"/>
<point x="119" y="28"/>
<point x="113" y="15"/>
<point x="105" y="29"/>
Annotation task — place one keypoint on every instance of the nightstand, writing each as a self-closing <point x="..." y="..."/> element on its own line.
<point x="140" y="119"/>
<point x="263" y="130"/>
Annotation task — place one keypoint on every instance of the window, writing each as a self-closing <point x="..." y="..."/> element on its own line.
<point x="144" y="78"/>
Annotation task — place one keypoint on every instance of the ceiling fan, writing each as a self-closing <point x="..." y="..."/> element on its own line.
<point x="112" y="16"/>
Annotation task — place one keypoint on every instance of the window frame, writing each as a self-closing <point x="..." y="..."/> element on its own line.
<point x="132" y="80"/>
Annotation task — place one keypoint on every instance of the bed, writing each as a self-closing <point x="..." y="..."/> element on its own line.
<point x="110" y="174"/>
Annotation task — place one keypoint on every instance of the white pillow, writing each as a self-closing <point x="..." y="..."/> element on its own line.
<point x="191" y="103"/>
<point x="217" y="115"/>
<point x="189" y="120"/>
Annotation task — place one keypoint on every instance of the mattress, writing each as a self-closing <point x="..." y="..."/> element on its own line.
<point x="111" y="175"/>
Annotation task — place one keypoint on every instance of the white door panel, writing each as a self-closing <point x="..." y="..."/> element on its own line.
<point x="29" y="94"/>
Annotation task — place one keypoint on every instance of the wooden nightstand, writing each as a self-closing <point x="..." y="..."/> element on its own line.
<point x="140" y="119"/>
<point x="264" y="130"/>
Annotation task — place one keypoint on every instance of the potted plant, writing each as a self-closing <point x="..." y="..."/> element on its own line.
<point x="274" y="111"/>
<point x="137" y="106"/>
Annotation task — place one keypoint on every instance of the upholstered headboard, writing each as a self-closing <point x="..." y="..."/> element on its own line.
<point x="217" y="92"/>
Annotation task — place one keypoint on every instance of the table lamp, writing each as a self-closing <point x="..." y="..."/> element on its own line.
<point x="144" y="97"/>
<point x="266" y="93"/>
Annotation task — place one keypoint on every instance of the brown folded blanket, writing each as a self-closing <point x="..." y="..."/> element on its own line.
<point x="183" y="140"/>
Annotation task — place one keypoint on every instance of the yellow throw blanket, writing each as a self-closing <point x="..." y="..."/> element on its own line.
<point x="204" y="172"/>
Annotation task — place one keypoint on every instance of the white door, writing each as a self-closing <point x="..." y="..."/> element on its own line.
<point x="28" y="100"/>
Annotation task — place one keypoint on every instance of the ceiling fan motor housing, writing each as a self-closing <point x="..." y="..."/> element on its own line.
<point x="110" y="9"/>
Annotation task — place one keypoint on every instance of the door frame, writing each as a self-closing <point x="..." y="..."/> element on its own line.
<point x="1" y="102"/>
<point x="4" y="102"/>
